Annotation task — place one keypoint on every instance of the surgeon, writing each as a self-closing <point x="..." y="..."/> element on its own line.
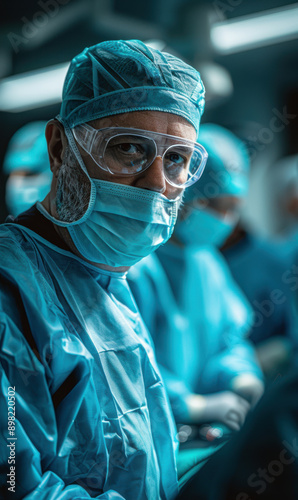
<point x="89" y="415"/>
<point x="267" y="279"/>
<point x="27" y="165"/>
<point x="208" y="365"/>
<point x="262" y="269"/>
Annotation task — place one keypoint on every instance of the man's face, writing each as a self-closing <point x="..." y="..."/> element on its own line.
<point x="70" y="190"/>
<point x="153" y="178"/>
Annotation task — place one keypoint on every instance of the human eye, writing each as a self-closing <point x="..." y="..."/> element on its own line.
<point x="128" y="148"/>
<point x="176" y="160"/>
<point x="125" y="152"/>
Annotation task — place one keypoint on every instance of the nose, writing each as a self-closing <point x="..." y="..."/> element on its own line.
<point x="153" y="178"/>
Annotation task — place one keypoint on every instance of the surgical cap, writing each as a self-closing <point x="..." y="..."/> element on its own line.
<point x="119" y="76"/>
<point x="227" y="169"/>
<point x="27" y="149"/>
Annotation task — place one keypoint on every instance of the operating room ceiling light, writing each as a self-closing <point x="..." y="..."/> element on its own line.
<point x="258" y="30"/>
<point x="44" y="87"/>
<point x="33" y="89"/>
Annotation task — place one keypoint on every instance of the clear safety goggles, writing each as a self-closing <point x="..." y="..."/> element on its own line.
<point x="129" y="151"/>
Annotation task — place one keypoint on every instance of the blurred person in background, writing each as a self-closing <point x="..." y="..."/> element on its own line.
<point x="27" y="165"/>
<point x="262" y="269"/>
<point x="198" y="316"/>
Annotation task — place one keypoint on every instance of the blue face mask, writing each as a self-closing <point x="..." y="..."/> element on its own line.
<point x="23" y="191"/>
<point x="122" y="225"/>
<point x="205" y="227"/>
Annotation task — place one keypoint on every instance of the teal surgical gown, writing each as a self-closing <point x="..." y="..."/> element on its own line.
<point x="199" y="320"/>
<point x="266" y="277"/>
<point x="91" y="415"/>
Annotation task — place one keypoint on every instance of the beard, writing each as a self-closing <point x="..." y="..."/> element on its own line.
<point x="73" y="189"/>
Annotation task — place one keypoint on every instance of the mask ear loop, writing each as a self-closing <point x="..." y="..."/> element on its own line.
<point x="92" y="196"/>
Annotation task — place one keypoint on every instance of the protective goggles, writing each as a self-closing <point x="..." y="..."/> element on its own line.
<point x="129" y="151"/>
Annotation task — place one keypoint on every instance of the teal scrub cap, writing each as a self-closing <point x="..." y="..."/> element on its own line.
<point x="28" y="150"/>
<point x="120" y="76"/>
<point x="227" y="168"/>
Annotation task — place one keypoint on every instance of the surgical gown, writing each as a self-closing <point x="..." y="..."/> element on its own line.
<point x="265" y="275"/>
<point x="198" y="318"/>
<point x="92" y="416"/>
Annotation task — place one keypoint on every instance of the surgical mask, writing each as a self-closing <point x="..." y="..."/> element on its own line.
<point x="205" y="227"/>
<point x="23" y="191"/>
<point x="123" y="224"/>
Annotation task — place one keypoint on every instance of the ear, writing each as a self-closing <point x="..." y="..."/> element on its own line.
<point x="57" y="143"/>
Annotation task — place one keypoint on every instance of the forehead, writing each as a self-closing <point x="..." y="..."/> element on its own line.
<point x="155" y="121"/>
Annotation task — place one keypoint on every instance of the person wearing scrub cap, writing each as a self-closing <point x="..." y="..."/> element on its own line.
<point x="92" y="417"/>
<point x="27" y="165"/>
<point x="212" y="207"/>
<point x="208" y="365"/>
<point x="263" y="270"/>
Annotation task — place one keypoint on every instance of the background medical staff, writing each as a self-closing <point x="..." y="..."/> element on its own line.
<point x="262" y="267"/>
<point x="27" y="165"/>
<point x="201" y="340"/>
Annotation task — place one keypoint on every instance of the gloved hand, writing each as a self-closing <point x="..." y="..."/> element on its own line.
<point x="226" y="407"/>
<point x="248" y="386"/>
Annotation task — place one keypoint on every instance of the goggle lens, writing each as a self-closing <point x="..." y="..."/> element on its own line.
<point x="123" y="153"/>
